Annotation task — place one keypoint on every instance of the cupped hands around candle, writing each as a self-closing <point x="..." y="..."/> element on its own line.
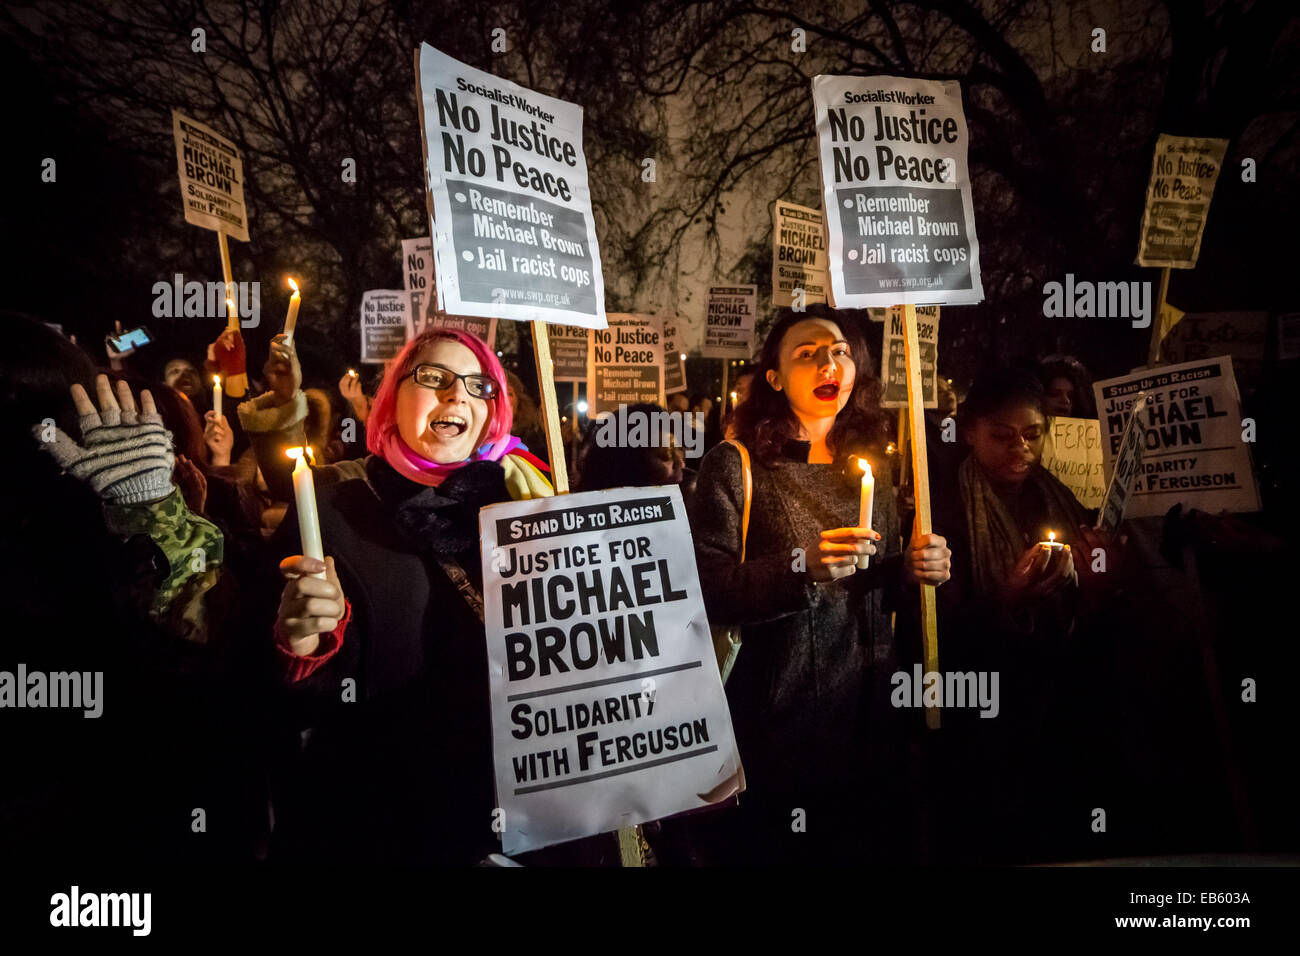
<point x="834" y="552"/>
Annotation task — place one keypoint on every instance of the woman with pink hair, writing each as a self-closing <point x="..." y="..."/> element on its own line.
<point x="382" y="644"/>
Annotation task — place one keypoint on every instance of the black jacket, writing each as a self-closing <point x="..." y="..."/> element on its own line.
<point x="404" y="774"/>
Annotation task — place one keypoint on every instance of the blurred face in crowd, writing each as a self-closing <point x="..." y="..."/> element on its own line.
<point x="742" y="387"/>
<point x="816" y="371"/>
<point x="446" y="424"/>
<point x="1059" y="397"/>
<point x="1008" y="443"/>
<point x="678" y="402"/>
<point x="705" y="406"/>
<point x="183" y="377"/>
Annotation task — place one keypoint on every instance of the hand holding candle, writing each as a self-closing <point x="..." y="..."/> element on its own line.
<point x="304" y="496"/>
<point x="291" y="320"/>
<point x="1051" y="544"/>
<point x="865" y="504"/>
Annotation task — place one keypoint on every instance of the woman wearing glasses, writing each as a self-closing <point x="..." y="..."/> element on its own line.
<point x="384" y="652"/>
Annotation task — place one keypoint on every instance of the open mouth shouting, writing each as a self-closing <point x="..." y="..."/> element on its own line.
<point x="448" y="426"/>
<point x="827" y="391"/>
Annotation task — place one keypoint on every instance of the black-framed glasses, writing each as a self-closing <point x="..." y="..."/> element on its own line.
<point x="437" y="377"/>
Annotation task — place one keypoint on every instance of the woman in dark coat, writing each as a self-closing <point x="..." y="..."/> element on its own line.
<point x="385" y="655"/>
<point x="1011" y="784"/>
<point x="809" y="692"/>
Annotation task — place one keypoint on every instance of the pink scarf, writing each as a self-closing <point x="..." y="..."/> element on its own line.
<point x="422" y="471"/>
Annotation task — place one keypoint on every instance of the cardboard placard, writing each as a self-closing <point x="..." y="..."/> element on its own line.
<point x="607" y="706"/>
<point x="896" y="191"/>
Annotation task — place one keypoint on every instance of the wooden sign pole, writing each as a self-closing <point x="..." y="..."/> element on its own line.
<point x="1153" y="354"/>
<point x="921" y="492"/>
<point x="629" y="838"/>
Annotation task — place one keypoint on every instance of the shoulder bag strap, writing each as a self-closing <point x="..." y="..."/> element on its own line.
<point x="747" y="481"/>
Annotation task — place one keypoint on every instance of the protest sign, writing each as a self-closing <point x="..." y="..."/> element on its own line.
<point x="417" y="278"/>
<point x="1193" y="451"/>
<point x="1072" y="453"/>
<point x="512" y="225"/>
<point x="485" y="329"/>
<point x="896" y="191"/>
<point x="1183" y="174"/>
<point x="385" y="323"/>
<point x="607" y="706"/>
<point x="1128" y="464"/>
<point x="625" y="363"/>
<point x="1200" y="335"/>
<point x="893" y="358"/>
<point x="729" y="323"/>
<point x="798" y="253"/>
<point x="569" y="352"/>
<point x="212" y="178"/>
<point x="674" y="365"/>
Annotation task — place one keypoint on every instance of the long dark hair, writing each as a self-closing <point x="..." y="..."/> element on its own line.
<point x="764" y="422"/>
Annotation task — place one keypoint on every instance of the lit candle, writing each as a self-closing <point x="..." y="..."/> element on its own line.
<point x="216" y="395"/>
<point x="232" y="314"/>
<point x="1051" y="544"/>
<point x="291" y="320"/>
<point x="864" y="505"/>
<point x="352" y="372"/>
<point x="304" y="496"/>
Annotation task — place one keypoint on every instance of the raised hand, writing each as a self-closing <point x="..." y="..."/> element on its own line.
<point x="126" y="456"/>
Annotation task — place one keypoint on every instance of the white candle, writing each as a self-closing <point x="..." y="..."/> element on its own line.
<point x="216" y="395"/>
<point x="291" y="320"/>
<point x="865" y="503"/>
<point x="232" y="314"/>
<point x="304" y="496"/>
<point x="1051" y="544"/>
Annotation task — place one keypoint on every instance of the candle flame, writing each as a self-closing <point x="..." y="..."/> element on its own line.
<point x="298" y="451"/>
<point x="352" y="372"/>
<point x="865" y="466"/>
<point x="293" y="284"/>
<point x="1051" y="536"/>
<point x="230" y="304"/>
<point x="890" y="449"/>
<point x="216" y="380"/>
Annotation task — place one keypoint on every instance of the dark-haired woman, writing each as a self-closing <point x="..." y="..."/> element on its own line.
<point x="809" y="691"/>
<point x="1012" y="611"/>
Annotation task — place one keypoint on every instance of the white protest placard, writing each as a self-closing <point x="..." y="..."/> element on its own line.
<point x="385" y="324"/>
<point x="625" y="363"/>
<point x="674" y="364"/>
<point x="212" y="178"/>
<point x="799" y="259"/>
<point x="513" y="231"/>
<point x="1201" y="335"/>
<point x="896" y="190"/>
<point x="485" y="329"/>
<point x="1072" y="453"/>
<point x="729" y="322"/>
<point x="893" y="357"/>
<point x="569" y="351"/>
<point x="417" y="278"/>
<point x="1128" y="464"/>
<point x="1194" y="454"/>
<point x="607" y="706"/>
<point x="1183" y="173"/>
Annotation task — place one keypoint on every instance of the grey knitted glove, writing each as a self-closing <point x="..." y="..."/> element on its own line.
<point x="127" y="456"/>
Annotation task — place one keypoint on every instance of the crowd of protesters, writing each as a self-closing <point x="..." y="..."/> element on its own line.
<point x="155" y="540"/>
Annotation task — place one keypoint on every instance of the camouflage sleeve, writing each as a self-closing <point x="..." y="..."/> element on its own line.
<point x="191" y="548"/>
